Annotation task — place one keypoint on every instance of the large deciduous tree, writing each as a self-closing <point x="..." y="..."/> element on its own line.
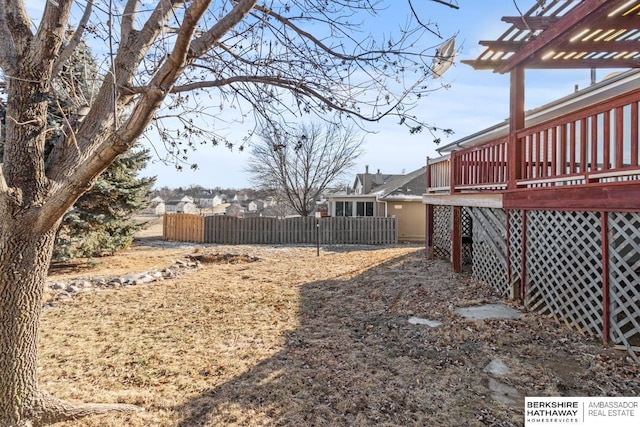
<point x="102" y="220"/>
<point x="266" y="60"/>
<point x="298" y="167"/>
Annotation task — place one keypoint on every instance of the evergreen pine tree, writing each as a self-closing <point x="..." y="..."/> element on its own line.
<point x="103" y="221"/>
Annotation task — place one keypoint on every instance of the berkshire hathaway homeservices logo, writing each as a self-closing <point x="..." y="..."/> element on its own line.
<point x="582" y="411"/>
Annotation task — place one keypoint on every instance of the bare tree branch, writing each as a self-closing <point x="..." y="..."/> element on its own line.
<point x="207" y="40"/>
<point x="128" y="18"/>
<point x="75" y="39"/>
<point x="298" y="167"/>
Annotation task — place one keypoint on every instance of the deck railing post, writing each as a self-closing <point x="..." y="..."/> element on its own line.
<point x="453" y="171"/>
<point x="516" y="122"/>
<point x="428" y="175"/>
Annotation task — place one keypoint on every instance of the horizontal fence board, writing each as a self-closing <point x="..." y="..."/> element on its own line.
<point x="301" y="230"/>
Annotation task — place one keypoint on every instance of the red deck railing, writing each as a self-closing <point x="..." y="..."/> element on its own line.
<point x="439" y="174"/>
<point x="595" y="144"/>
<point x="483" y="167"/>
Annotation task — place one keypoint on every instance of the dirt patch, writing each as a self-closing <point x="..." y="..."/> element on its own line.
<point x="297" y="339"/>
<point x="218" y="258"/>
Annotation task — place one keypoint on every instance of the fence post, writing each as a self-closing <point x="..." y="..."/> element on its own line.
<point x="317" y="236"/>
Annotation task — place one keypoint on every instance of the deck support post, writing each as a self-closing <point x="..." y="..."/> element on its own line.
<point x="456" y="240"/>
<point x="514" y="287"/>
<point x="516" y="122"/>
<point x="523" y="258"/>
<point x="429" y="232"/>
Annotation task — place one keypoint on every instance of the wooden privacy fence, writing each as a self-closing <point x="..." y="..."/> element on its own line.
<point x="235" y="231"/>
<point x="183" y="228"/>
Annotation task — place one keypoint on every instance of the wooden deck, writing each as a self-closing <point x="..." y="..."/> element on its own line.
<point x="586" y="159"/>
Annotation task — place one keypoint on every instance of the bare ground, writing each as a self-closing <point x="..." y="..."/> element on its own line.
<point x="299" y="340"/>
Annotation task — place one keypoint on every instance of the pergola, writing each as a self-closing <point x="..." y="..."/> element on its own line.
<point x="567" y="34"/>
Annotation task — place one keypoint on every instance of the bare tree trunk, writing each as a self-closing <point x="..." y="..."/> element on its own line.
<point x="24" y="260"/>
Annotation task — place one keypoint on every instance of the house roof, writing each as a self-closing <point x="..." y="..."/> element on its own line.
<point x="566" y="34"/>
<point x="403" y="186"/>
<point x="175" y="202"/>
<point x="377" y="179"/>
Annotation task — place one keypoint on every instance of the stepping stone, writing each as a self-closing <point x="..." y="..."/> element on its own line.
<point x="497" y="367"/>
<point x="489" y="311"/>
<point x="418" y="321"/>
<point x="504" y="393"/>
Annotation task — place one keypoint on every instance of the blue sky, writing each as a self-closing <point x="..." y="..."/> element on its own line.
<point x="473" y="100"/>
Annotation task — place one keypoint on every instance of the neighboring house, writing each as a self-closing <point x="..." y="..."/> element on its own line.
<point x="215" y="210"/>
<point x="362" y="200"/>
<point x="234" y="209"/>
<point x="184" y="205"/>
<point x="210" y="201"/>
<point x="255" y="205"/>
<point x="158" y="206"/>
<point x="386" y="195"/>
<point x="402" y="198"/>
<point x="240" y="197"/>
<point x="366" y="182"/>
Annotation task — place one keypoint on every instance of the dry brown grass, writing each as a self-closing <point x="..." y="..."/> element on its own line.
<point x="296" y="340"/>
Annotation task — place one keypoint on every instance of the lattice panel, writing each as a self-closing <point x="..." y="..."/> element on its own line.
<point x="624" y="280"/>
<point x="442" y="225"/>
<point x="515" y="245"/>
<point x="467" y="236"/>
<point x="490" y="248"/>
<point x="564" y="267"/>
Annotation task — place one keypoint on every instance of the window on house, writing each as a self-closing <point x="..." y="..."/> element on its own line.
<point x="344" y="209"/>
<point x="364" y="209"/>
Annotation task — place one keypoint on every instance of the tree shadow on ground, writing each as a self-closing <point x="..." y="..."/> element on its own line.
<point x="355" y="360"/>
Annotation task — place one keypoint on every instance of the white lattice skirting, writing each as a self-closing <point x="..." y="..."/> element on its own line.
<point x="564" y="266"/>
<point x="624" y="280"/>
<point x="490" y="248"/>
<point x="442" y="224"/>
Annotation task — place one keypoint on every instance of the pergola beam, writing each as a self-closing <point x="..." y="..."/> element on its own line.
<point x="560" y="64"/>
<point x="559" y="32"/>
<point x="575" y="46"/>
